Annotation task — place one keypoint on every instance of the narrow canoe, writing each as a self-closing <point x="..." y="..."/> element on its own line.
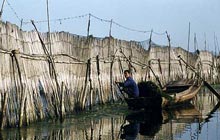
<point x="172" y="95"/>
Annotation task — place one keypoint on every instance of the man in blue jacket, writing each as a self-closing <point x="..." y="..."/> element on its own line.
<point x="129" y="86"/>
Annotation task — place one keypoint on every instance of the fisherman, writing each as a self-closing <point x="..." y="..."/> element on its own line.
<point x="129" y="86"/>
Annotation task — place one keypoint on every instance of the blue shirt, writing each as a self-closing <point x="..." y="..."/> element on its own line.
<point x="131" y="87"/>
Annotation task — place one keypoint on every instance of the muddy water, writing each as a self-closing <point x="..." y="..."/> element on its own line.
<point x="199" y="120"/>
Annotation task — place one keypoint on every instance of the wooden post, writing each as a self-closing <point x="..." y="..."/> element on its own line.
<point x="21" y="24"/>
<point x="51" y="64"/>
<point x="150" y="39"/>
<point x="169" y="49"/>
<point x="49" y="39"/>
<point x="111" y="78"/>
<point x="48" y="25"/>
<point x="110" y="37"/>
<point x="159" y="66"/>
<point x="83" y="95"/>
<point x="88" y="28"/>
<point x="111" y="75"/>
<point x="110" y="29"/>
<point x="90" y="83"/>
<point x="22" y="91"/>
<point x="99" y="80"/>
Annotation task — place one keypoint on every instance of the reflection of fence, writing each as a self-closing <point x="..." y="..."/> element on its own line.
<point x="86" y="69"/>
<point x="105" y="128"/>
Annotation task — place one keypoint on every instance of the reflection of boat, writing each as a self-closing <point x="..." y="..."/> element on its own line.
<point x="145" y="123"/>
<point x="149" y="123"/>
<point x="174" y="93"/>
<point x="186" y="114"/>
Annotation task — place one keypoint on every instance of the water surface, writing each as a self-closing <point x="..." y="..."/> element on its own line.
<point x="199" y="120"/>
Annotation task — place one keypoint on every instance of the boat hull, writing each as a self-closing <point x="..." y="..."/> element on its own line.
<point x="164" y="100"/>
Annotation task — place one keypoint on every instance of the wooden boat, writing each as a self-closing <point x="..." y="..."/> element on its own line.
<point x="173" y="94"/>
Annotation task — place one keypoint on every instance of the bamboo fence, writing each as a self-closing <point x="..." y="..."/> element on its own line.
<point x="78" y="73"/>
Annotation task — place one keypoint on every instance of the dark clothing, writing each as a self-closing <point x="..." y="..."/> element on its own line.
<point x="130" y="87"/>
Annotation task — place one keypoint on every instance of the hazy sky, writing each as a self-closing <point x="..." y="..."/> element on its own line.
<point x="172" y="16"/>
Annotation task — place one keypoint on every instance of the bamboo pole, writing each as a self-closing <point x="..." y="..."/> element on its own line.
<point x="99" y="80"/>
<point x="150" y="40"/>
<point x="111" y="76"/>
<point x="83" y="96"/>
<point x="52" y="68"/>
<point x="48" y="25"/>
<point x="110" y="29"/>
<point x="22" y="91"/>
<point x="34" y="60"/>
<point x="88" y="28"/>
<point x="169" y="49"/>
<point x="90" y="83"/>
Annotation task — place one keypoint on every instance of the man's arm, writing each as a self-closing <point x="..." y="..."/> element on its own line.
<point x="121" y="84"/>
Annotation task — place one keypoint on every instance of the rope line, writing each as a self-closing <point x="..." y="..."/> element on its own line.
<point x="82" y="16"/>
<point x="130" y="29"/>
<point x="105" y="20"/>
<point x="59" y="19"/>
<point x="13" y="10"/>
<point x="97" y="18"/>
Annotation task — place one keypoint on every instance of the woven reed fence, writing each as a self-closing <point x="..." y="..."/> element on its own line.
<point x="47" y="79"/>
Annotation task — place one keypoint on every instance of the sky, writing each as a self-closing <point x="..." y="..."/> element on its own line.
<point x="132" y="20"/>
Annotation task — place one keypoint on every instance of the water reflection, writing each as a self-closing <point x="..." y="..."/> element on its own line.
<point x="113" y="122"/>
<point x="145" y="123"/>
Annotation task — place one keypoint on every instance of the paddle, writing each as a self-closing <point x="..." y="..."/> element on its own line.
<point x="120" y="90"/>
<point x="204" y="82"/>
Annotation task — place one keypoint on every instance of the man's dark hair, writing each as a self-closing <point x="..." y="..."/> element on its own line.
<point x="128" y="71"/>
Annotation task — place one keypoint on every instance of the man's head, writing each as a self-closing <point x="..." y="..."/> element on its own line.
<point x="127" y="73"/>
